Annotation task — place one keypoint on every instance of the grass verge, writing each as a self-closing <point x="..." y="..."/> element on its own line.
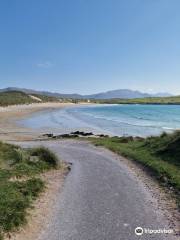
<point x="159" y="155"/>
<point x="20" y="182"/>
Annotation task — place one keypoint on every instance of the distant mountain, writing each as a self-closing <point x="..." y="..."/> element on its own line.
<point x="121" y="93"/>
<point x="47" y="93"/>
<point x="126" y="94"/>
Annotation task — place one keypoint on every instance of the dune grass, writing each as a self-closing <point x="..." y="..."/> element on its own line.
<point x="18" y="97"/>
<point x="14" y="97"/>
<point x="20" y="183"/>
<point x="159" y="155"/>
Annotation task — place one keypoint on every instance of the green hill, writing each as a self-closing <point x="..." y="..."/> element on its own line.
<point x="149" y="100"/>
<point x="17" y="97"/>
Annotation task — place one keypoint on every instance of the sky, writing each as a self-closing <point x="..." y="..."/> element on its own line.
<point x="90" y="46"/>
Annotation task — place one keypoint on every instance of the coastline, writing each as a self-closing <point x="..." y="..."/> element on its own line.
<point x="63" y="122"/>
<point x="9" y="130"/>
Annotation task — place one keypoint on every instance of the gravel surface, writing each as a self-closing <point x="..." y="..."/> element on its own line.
<point x="102" y="198"/>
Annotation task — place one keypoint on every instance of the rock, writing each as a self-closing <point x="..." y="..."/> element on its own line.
<point x="65" y="136"/>
<point x="48" y="135"/>
<point x="87" y="134"/>
<point x="82" y="133"/>
<point x="102" y="135"/>
<point x="76" y="132"/>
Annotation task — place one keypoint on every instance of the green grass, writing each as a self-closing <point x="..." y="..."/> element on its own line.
<point x="17" y="97"/>
<point x="159" y="155"/>
<point x="149" y="100"/>
<point x="45" y="156"/>
<point x="17" y="196"/>
<point x="14" y="97"/>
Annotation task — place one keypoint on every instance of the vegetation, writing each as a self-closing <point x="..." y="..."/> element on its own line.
<point x="149" y="100"/>
<point x="159" y="155"/>
<point x="10" y="98"/>
<point x="46" y="98"/>
<point x="17" y="97"/>
<point x="20" y="183"/>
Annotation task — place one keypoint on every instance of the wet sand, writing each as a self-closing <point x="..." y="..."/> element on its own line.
<point x="10" y="130"/>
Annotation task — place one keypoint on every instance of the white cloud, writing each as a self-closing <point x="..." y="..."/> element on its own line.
<point x="46" y="64"/>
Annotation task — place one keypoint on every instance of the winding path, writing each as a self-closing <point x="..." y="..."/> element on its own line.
<point x="102" y="199"/>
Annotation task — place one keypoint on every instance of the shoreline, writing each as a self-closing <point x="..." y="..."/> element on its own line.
<point x="12" y="129"/>
<point x="15" y="132"/>
<point x="9" y="130"/>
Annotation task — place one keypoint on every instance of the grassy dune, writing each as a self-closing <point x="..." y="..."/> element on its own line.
<point x="160" y="155"/>
<point x="20" y="183"/>
<point x="17" y="97"/>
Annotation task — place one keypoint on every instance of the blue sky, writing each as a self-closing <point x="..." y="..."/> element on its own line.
<point x="88" y="46"/>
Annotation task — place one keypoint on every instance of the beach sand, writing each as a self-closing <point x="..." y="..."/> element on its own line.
<point x="10" y="130"/>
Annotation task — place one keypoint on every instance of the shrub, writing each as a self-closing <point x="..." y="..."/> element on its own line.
<point x="46" y="155"/>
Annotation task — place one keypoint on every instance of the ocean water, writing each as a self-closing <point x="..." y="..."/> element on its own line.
<point x="128" y="120"/>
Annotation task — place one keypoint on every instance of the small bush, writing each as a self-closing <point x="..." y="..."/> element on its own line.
<point x="45" y="155"/>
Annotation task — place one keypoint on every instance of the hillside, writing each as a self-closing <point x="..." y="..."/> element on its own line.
<point x="17" y="97"/>
<point x="124" y="94"/>
<point x="149" y="100"/>
<point x="119" y="93"/>
<point x="44" y="93"/>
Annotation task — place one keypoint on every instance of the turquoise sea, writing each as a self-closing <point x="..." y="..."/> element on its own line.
<point x="135" y="120"/>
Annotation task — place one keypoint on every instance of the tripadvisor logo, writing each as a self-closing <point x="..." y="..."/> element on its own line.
<point x="139" y="231"/>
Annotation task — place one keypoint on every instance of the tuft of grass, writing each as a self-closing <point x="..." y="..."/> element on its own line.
<point x="159" y="155"/>
<point x="45" y="155"/>
<point x="166" y="146"/>
<point x="17" y="196"/>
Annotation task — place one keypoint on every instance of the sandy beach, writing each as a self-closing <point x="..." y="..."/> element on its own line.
<point x="9" y="130"/>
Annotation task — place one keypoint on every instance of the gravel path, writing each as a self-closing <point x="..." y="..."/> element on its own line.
<point x="102" y="198"/>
